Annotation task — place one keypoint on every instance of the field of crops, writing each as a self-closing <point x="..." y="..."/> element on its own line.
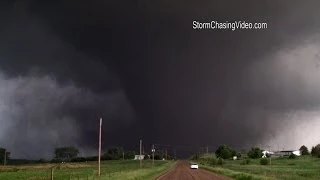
<point x="110" y="170"/>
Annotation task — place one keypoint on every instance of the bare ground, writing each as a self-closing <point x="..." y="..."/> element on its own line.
<point x="182" y="171"/>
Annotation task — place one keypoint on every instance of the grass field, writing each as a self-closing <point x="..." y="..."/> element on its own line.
<point x="281" y="168"/>
<point x="110" y="170"/>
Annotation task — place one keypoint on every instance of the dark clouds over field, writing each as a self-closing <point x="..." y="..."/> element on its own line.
<point x="142" y="66"/>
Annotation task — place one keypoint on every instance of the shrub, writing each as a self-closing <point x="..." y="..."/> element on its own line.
<point x="264" y="161"/>
<point x="245" y="161"/>
<point x="212" y="162"/>
<point x="255" y="153"/>
<point x="221" y="161"/>
<point x="292" y="156"/>
<point x="204" y="161"/>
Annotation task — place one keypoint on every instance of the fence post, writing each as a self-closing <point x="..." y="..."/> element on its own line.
<point x="51" y="173"/>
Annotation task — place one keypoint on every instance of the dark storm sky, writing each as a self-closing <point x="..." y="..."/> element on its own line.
<point x="141" y="66"/>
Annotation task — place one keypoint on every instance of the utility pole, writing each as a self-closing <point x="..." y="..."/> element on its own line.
<point x="166" y="154"/>
<point x="140" y="153"/>
<point x="153" y="150"/>
<point x="269" y="155"/>
<point x="207" y="150"/>
<point x="99" y="147"/>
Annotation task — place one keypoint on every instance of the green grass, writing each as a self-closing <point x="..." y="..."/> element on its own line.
<point x="110" y="170"/>
<point x="234" y="174"/>
<point x="281" y="168"/>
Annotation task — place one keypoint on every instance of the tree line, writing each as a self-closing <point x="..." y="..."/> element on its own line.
<point x="226" y="152"/>
<point x="71" y="154"/>
<point x="4" y="155"/>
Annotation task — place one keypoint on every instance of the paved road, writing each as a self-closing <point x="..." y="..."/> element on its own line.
<point x="182" y="171"/>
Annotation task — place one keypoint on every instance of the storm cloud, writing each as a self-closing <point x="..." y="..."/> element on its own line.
<point x="51" y="94"/>
<point x="243" y="87"/>
<point x="39" y="114"/>
<point x="286" y="83"/>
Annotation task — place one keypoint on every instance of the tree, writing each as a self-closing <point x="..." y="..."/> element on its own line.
<point x="225" y="152"/>
<point x="4" y="154"/>
<point x="114" y="153"/>
<point x="304" y="150"/>
<point x="315" y="151"/>
<point x="129" y="154"/>
<point x="66" y="153"/>
<point x="312" y="151"/>
<point x="159" y="154"/>
<point x="255" y="153"/>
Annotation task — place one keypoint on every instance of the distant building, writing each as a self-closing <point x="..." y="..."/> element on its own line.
<point x="138" y="157"/>
<point x="266" y="153"/>
<point x="280" y="153"/>
<point x="288" y="153"/>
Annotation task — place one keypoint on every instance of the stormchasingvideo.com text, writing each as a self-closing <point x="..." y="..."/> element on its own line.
<point x="241" y="25"/>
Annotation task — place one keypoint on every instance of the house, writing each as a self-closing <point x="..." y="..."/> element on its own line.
<point x="286" y="153"/>
<point x="280" y="153"/>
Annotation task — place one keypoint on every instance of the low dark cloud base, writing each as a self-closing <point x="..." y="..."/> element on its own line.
<point x="221" y="86"/>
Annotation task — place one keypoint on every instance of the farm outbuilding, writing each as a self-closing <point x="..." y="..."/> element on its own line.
<point x="138" y="157"/>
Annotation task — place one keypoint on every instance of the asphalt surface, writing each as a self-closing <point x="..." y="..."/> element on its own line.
<point x="182" y="171"/>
